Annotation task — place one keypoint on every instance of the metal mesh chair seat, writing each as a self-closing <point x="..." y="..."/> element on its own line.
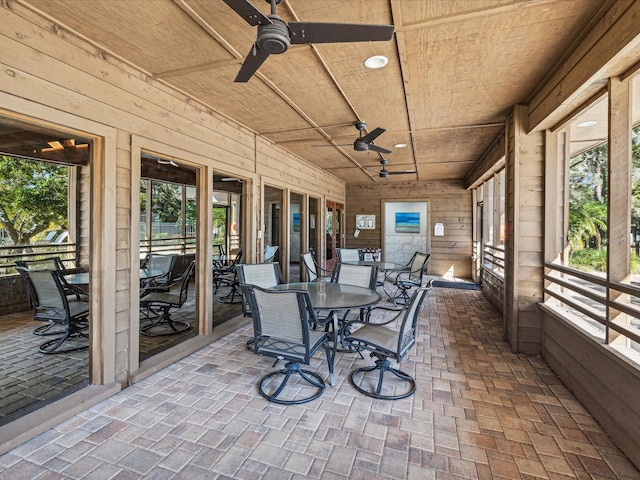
<point x="282" y="330"/>
<point x="386" y="343"/>
<point x="157" y="306"/>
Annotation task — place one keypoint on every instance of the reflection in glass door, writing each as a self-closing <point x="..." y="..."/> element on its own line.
<point x="273" y="198"/>
<point x="295" y="236"/>
<point x="314" y="227"/>
<point x="168" y="199"/>
<point x="333" y="232"/>
<point x="227" y="246"/>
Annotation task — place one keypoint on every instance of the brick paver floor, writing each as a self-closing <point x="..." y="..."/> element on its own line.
<point x="480" y="411"/>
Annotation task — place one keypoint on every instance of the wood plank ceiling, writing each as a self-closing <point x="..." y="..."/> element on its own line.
<point x="455" y="69"/>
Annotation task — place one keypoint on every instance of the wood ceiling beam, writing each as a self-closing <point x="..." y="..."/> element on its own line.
<point x="396" y="16"/>
<point x="475" y="13"/>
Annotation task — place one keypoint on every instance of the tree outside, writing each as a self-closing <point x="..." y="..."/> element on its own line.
<point x="33" y="198"/>
<point x="588" y="197"/>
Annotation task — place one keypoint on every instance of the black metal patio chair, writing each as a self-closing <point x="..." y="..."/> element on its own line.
<point x="386" y="343"/>
<point x="52" y="304"/>
<point x="406" y="279"/>
<point x="157" y="306"/>
<point x="281" y="324"/>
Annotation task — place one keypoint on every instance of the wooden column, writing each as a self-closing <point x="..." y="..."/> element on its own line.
<point x="525" y="234"/>
<point x="619" y="211"/>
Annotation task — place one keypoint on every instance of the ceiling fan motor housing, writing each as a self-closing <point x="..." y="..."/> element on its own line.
<point x="273" y="38"/>
<point x="360" y="145"/>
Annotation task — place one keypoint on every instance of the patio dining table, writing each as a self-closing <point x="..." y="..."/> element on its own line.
<point x="334" y="297"/>
<point x="82" y="278"/>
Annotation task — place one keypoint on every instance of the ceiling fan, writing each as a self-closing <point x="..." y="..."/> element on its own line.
<point x="364" y="143"/>
<point x="162" y="161"/>
<point x="275" y="35"/>
<point x="384" y="173"/>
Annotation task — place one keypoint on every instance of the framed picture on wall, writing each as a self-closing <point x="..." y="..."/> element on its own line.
<point x="296" y="222"/>
<point x="407" y="222"/>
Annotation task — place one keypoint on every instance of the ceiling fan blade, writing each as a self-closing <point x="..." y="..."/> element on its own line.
<point x="251" y="64"/>
<point x="373" y="134"/>
<point x="336" y="145"/>
<point x="405" y="172"/>
<point x="310" y="32"/>
<point x="251" y="14"/>
<point x="376" y="148"/>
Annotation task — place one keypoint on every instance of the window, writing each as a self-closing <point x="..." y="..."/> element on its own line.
<point x="593" y="273"/>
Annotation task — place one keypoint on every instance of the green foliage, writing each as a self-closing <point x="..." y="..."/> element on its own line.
<point x="589" y="259"/>
<point x="587" y="224"/>
<point x="33" y="197"/>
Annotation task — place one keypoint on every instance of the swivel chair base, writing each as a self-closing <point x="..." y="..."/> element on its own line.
<point x="290" y="369"/>
<point x="176" y="326"/>
<point x="382" y="366"/>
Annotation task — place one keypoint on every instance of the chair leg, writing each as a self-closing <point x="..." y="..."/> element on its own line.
<point x="291" y="369"/>
<point x="176" y="326"/>
<point x="53" y="346"/>
<point x="382" y="366"/>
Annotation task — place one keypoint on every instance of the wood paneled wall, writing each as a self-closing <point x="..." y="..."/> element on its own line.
<point x="74" y="83"/>
<point x="448" y="202"/>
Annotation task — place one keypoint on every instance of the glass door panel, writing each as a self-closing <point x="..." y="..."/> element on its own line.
<point x="168" y="212"/>
<point x="295" y="236"/>
<point x="227" y="246"/>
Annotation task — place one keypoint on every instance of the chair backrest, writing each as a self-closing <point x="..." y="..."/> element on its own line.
<point x="162" y="263"/>
<point x="418" y="266"/>
<point x="264" y="275"/>
<point x="310" y="266"/>
<point x="408" y="328"/>
<point x="270" y="252"/>
<point x="359" y="275"/>
<point x="48" y="297"/>
<point x="52" y="263"/>
<point x="349" y="254"/>
<point x="185" y="280"/>
<point x="281" y="322"/>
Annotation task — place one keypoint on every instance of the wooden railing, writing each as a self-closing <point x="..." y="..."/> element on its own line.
<point x="10" y="254"/>
<point x="596" y="302"/>
<point x="493" y="258"/>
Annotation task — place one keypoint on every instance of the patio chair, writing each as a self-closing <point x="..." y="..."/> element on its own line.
<point x="281" y="325"/>
<point x="270" y="253"/>
<point x="349" y="254"/>
<point x="406" y="279"/>
<point x="51" y="304"/>
<point x="314" y="272"/>
<point x="158" y="306"/>
<point x="386" y="343"/>
<point x="54" y="263"/>
<point x="225" y="275"/>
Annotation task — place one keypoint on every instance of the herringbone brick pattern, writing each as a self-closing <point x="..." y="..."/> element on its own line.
<point x="480" y="412"/>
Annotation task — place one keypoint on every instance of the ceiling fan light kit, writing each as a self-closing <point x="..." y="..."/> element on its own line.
<point x="275" y="36"/>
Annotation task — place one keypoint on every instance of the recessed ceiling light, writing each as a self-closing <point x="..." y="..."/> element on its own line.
<point x="377" y="61"/>
<point x="400" y="145"/>
<point x="587" y="123"/>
